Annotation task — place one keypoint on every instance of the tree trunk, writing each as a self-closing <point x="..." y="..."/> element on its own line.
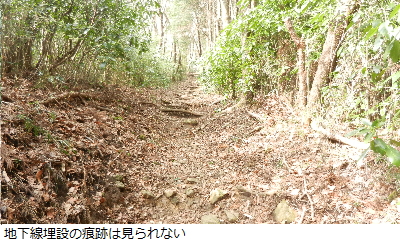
<point x="334" y="38"/>
<point x="218" y="22"/>
<point x="162" y="28"/>
<point x="254" y="3"/>
<point x="197" y="35"/>
<point x="225" y="13"/>
<point x="46" y="43"/>
<point x="249" y="94"/>
<point x="210" y="23"/>
<point x="301" y="58"/>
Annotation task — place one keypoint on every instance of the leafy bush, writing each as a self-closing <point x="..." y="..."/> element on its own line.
<point x="376" y="144"/>
<point x="74" y="41"/>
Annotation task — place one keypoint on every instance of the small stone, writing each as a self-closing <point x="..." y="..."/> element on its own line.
<point x="120" y="185"/>
<point x="217" y="195"/>
<point x="3" y="210"/>
<point x="244" y="191"/>
<point x="192" y="181"/>
<point x="147" y="194"/>
<point x="169" y="193"/>
<point x="174" y="200"/>
<point x="232" y="216"/>
<point x="283" y="213"/>
<point x="190" y="193"/>
<point x="210" y="219"/>
<point x="192" y="122"/>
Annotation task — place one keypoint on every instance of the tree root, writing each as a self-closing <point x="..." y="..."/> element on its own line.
<point x="341" y="139"/>
<point x="182" y="111"/>
<point x="66" y="96"/>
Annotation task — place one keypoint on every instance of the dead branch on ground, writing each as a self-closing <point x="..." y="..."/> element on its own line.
<point x="335" y="137"/>
<point x="105" y="109"/>
<point x="305" y="191"/>
<point x="66" y="96"/>
<point x="304" y="209"/>
<point x="187" y="112"/>
<point x="256" y="116"/>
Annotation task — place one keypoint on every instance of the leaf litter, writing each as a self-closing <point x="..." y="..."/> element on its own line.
<point x="109" y="154"/>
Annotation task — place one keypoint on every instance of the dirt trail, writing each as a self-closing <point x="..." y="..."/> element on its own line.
<point x="119" y="155"/>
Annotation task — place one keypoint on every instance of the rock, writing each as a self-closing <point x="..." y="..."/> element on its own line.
<point x="217" y="195"/>
<point x="169" y="193"/>
<point x="244" y="191"/>
<point x="147" y="194"/>
<point x="283" y="213"/>
<point x="192" y="122"/>
<point x="210" y="219"/>
<point x="232" y="216"/>
<point x="190" y="193"/>
<point x="3" y="211"/>
<point x="174" y="200"/>
<point x="192" y="181"/>
<point x="120" y="185"/>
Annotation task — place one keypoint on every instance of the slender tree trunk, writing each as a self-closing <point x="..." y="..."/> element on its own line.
<point x="248" y="95"/>
<point x="218" y="23"/>
<point x="301" y="58"/>
<point x="161" y="45"/>
<point x="254" y="3"/>
<point x="225" y="13"/>
<point x="210" y="23"/>
<point x="197" y="35"/>
<point x="46" y="42"/>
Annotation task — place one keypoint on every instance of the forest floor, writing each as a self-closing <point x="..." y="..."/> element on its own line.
<point x="115" y="154"/>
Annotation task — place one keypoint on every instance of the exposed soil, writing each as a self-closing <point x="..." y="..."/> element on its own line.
<point x="115" y="154"/>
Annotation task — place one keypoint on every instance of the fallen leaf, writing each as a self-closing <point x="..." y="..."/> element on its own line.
<point x="39" y="175"/>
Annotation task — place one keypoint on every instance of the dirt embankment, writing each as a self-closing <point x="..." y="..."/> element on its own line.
<point x="114" y="154"/>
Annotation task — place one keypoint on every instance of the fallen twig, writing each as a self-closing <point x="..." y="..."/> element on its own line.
<point x="104" y="109"/>
<point x="182" y="111"/>
<point x="309" y="198"/>
<point x="256" y="129"/>
<point x="65" y="96"/>
<point x="147" y="103"/>
<point x="302" y="214"/>
<point x="339" y="138"/>
<point x="256" y="116"/>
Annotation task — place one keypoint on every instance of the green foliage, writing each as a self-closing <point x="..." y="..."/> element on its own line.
<point x="255" y="51"/>
<point x="116" y="118"/>
<point x="65" y="147"/>
<point x="221" y="66"/>
<point x="52" y="117"/>
<point x="69" y="41"/>
<point x="151" y="69"/>
<point x="377" y="145"/>
<point x="30" y="126"/>
<point x="366" y="80"/>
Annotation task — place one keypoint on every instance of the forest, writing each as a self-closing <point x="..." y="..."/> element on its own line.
<point x="211" y="112"/>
